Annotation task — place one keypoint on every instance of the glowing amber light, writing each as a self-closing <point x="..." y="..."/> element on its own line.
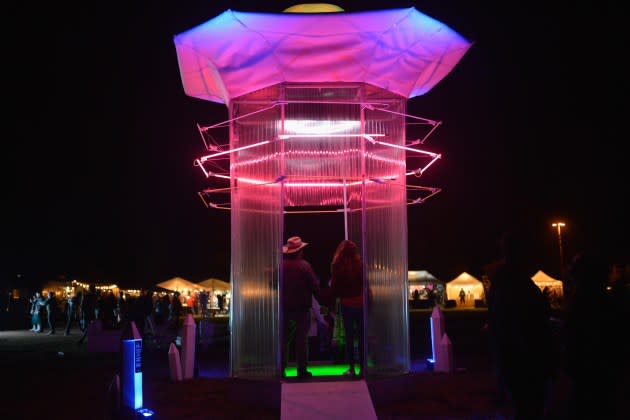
<point x="313" y="8"/>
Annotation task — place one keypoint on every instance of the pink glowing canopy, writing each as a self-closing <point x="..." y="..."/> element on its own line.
<point x="400" y="50"/>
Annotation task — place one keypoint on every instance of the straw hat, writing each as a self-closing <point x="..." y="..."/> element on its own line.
<point x="294" y="244"/>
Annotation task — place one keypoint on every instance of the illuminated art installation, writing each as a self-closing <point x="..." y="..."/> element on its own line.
<point x="316" y="124"/>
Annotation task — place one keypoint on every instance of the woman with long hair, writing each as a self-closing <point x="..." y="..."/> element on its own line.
<point x="347" y="285"/>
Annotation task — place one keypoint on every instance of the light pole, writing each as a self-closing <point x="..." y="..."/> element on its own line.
<point x="559" y="226"/>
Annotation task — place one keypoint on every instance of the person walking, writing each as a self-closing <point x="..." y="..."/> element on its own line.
<point x="299" y="284"/>
<point x="347" y="285"/>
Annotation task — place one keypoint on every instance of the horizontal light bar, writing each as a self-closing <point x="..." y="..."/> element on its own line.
<point x="291" y="136"/>
<point x="407" y="148"/>
<point x="205" y="158"/>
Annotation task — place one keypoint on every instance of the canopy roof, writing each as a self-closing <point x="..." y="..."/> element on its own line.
<point x="177" y="284"/>
<point x="464" y="279"/>
<point x="215" y="285"/>
<point x="401" y="50"/>
<point x="470" y="284"/>
<point x="542" y="279"/>
<point x="421" y="276"/>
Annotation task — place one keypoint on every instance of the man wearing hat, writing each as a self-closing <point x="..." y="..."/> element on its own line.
<point x="299" y="284"/>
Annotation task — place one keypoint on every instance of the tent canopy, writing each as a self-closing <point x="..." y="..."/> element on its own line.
<point x="400" y="50"/>
<point x="215" y="285"/>
<point x="421" y="276"/>
<point x="542" y="279"/>
<point x="178" y="284"/>
<point x="471" y="285"/>
<point x="464" y="279"/>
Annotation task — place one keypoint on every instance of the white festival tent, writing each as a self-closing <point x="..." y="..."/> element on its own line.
<point x="419" y="279"/>
<point x="472" y="287"/>
<point x="178" y="284"/>
<point x="543" y="280"/>
<point x="421" y="276"/>
<point x="215" y="285"/>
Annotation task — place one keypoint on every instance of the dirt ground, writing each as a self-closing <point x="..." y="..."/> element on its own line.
<point x="51" y="376"/>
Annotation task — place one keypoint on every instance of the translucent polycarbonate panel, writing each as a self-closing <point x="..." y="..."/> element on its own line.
<point x="385" y="241"/>
<point x="322" y="147"/>
<point x="256" y="243"/>
<point x="317" y="147"/>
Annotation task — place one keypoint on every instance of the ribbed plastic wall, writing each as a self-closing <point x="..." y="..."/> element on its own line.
<point x="316" y="159"/>
<point x="256" y="244"/>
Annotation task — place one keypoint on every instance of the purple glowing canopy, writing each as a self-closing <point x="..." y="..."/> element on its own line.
<point x="400" y="50"/>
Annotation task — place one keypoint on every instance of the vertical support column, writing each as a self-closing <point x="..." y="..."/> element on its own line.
<point x="345" y="209"/>
<point x="281" y="338"/>
<point x="364" y="255"/>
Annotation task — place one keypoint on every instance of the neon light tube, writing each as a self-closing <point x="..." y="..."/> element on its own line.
<point x="205" y="158"/>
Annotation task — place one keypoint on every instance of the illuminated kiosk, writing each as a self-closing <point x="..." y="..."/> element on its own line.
<point x="317" y="124"/>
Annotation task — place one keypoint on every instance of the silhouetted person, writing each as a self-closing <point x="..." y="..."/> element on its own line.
<point x="36" y="306"/>
<point x="147" y="309"/>
<point x="203" y="303"/>
<point x="347" y="285"/>
<point x="51" y="306"/>
<point x="595" y="334"/>
<point x="120" y="308"/>
<point x="88" y="311"/>
<point x="72" y="303"/>
<point x="299" y="285"/>
<point x="220" y="302"/>
<point x="175" y="312"/>
<point x="520" y="332"/>
<point x="108" y="309"/>
<point x="431" y="297"/>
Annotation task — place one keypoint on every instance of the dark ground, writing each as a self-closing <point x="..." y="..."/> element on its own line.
<point x="51" y="377"/>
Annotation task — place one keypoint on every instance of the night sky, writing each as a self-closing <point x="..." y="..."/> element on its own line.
<point x="100" y="138"/>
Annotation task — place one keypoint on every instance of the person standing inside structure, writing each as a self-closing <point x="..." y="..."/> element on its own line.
<point x="347" y="285"/>
<point x="299" y="284"/>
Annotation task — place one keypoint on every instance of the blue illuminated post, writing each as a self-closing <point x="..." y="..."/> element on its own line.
<point x="131" y="375"/>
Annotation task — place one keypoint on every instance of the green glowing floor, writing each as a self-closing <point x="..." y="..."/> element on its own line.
<point x="321" y="370"/>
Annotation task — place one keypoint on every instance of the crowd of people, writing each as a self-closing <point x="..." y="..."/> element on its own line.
<point x="81" y="309"/>
<point x="529" y="347"/>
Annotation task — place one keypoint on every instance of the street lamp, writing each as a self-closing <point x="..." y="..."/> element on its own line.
<point x="559" y="226"/>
